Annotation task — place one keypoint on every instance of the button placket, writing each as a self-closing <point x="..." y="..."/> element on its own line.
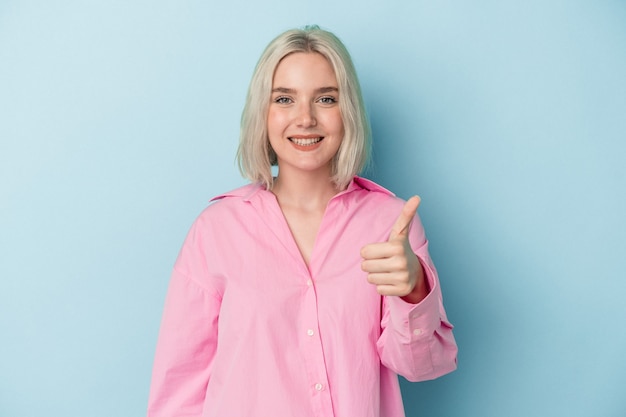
<point x="313" y="351"/>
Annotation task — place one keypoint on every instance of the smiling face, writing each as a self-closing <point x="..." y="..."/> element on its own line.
<point x="304" y="121"/>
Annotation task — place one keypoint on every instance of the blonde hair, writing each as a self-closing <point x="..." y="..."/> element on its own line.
<point x="255" y="156"/>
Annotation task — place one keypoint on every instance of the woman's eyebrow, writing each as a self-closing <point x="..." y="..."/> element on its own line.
<point x="322" y="90"/>
<point x="328" y="90"/>
<point x="283" y="90"/>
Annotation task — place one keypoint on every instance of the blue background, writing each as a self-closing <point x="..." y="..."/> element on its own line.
<point x="120" y="119"/>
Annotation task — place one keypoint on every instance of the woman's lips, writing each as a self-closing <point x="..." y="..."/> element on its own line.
<point x="308" y="141"/>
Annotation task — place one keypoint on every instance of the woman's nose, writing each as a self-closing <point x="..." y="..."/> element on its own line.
<point x="306" y="115"/>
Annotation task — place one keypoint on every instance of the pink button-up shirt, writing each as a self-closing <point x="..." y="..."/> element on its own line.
<point x="249" y="331"/>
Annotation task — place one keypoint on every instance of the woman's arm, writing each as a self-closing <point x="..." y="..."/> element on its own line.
<point x="187" y="339"/>
<point x="416" y="340"/>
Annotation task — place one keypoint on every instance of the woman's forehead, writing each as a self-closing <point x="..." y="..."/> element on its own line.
<point x="306" y="70"/>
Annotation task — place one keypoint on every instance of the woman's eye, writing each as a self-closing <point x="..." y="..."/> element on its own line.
<point x="327" y="100"/>
<point x="282" y="100"/>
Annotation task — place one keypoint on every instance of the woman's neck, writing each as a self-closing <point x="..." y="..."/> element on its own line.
<point x="303" y="190"/>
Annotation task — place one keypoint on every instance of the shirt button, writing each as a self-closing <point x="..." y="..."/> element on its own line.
<point x="417" y="332"/>
<point x="309" y="282"/>
<point x="319" y="387"/>
<point x="310" y="332"/>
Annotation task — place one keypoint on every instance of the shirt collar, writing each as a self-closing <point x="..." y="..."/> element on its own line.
<point x="360" y="183"/>
<point x="248" y="192"/>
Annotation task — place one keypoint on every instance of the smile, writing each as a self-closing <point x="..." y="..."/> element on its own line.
<point x="306" y="141"/>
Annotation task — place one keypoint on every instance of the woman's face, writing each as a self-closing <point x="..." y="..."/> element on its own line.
<point x="304" y="121"/>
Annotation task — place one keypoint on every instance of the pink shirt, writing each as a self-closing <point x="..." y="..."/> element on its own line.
<point x="249" y="331"/>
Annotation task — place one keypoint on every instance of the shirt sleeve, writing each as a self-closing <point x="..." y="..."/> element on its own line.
<point x="187" y="338"/>
<point x="416" y="339"/>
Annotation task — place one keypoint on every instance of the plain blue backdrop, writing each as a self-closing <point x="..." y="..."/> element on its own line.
<point x="120" y="119"/>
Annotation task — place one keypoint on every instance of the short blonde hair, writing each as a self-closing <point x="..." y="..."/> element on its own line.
<point x="255" y="156"/>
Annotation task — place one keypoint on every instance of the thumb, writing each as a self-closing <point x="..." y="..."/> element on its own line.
<point x="400" y="228"/>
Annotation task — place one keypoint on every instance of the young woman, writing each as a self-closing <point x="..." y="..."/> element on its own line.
<point x="304" y="294"/>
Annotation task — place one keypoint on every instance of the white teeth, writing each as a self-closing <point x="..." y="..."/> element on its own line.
<point x="305" y="142"/>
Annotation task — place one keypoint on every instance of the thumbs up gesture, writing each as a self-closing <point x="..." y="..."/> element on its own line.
<point x="393" y="266"/>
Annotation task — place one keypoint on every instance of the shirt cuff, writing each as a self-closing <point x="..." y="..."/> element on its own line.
<point x="416" y="321"/>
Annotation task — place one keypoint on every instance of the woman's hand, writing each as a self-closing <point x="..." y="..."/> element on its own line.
<point x="393" y="266"/>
